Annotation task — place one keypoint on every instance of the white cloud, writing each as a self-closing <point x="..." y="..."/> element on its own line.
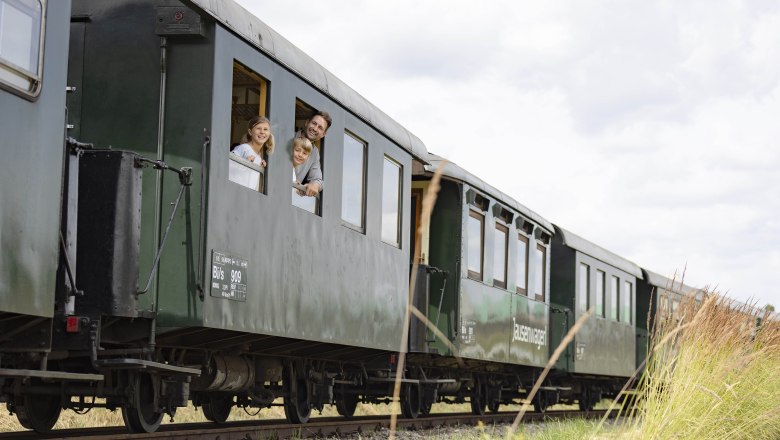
<point x="647" y="127"/>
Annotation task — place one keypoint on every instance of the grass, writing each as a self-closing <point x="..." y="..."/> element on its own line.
<point x="712" y="375"/>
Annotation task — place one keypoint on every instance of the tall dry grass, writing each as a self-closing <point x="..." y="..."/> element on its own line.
<point x="712" y="374"/>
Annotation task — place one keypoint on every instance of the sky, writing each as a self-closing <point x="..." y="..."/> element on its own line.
<point x="650" y="128"/>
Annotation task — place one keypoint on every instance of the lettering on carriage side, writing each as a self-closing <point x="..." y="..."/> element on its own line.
<point x="467" y="335"/>
<point x="228" y="276"/>
<point x="580" y="351"/>
<point x="524" y="333"/>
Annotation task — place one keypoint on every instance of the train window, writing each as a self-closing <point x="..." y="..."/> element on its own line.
<point x="353" y="186"/>
<point x="391" y="202"/>
<point x="522" y="264"/>
<point x="21" y="45"/>
<point x="249" y="101"/>
<point x="675" y="305"/>
<point x="626" y="302"/>
<point x="614" y="294"/>
<point x="499" y="255"/>
<point x="583" y="298"/>
<point x="663" y="305"/>
<point x="541" y="272"/>
<point x="475" y="229"/>
<point x="600" y="293"/>
<point x="303" y="112"/>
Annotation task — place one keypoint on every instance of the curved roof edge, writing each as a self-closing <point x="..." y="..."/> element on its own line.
<point x="675" y="285"/>
<point x="454" y="171"/>
<point x="234" y="17"/>
<point x="586" y="247"/>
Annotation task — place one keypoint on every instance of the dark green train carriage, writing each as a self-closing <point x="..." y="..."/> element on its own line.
<point x="588" y="277"/>
<point x="312" y="276"/>
<point x="488" y="263"/>
<point x="657" y="298"/>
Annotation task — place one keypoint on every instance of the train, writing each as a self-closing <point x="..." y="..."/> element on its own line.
<point x="139" y="272"/>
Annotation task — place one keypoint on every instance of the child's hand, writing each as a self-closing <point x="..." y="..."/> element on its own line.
<point x="251" y="158"/>
<point x="262" y="163"/>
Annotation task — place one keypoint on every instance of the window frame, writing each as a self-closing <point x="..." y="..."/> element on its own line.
<point x="614" y="298"/>
<point x="302" y="111"/>
<point x="364" y="181"/>
<point x="628" y="294"/>
<point x="239" y="127"/>
<point x="399" y="203"/>
<point x="524" y="239"/>
<point x="505" y="230"/>
<point x="34" y="79"/>
<point x="601" y="293"/>
<point x="543" y="249"/>
<point x="478" y="276"/>
<point x="586" y="286"/>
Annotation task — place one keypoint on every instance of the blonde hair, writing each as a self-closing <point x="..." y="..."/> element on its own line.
<point x="302" y="142"/>
<point x="269" y="144"/>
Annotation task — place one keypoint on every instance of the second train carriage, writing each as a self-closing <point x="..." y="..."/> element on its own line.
<point x="488" y="263"/>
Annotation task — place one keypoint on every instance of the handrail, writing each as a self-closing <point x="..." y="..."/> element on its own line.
<point x="247" y="163"/>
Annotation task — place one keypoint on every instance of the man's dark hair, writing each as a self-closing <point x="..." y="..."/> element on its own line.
<point x="324" y="115"/>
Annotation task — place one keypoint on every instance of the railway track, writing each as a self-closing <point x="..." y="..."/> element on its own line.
<point x="319" y="427"/>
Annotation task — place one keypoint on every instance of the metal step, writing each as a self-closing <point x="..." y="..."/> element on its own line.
<point x="47" y="374"/>
<point x="140" y="364"/>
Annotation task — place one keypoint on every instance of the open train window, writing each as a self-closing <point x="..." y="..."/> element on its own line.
<point x="522" y="264"/>
<point x="541" y="272"/>
<point x="475" y="244"/>
<point x="583" y="297"/>
<point x="614" y="294"/>
<point x="303" y="112"/>
<point x="391" y="202"/>
<point x="499" y="255"/>
<point x="353" y="193"/>
<point x="246" y="166"/>
<point x="600" y="292"/>
<point x="21" y="46"/>
<point x="626" y="302"/>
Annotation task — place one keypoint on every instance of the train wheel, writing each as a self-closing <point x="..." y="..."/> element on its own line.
<point x="296" y="402"/>
<point x="411" y="401"/>
<point x="493" y="406"/>
<point x="140" y="415"/>
<point x="425" y="409"/>
<point x="540" y="402"/>
<point x="346" y="404"/>
<point x="217" y="408"/>
<point x="585" y="402"/>
<point x="37" y="412"/>
<point x="478" y="396"/>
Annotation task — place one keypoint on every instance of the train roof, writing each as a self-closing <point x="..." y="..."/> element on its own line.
<point x="574" y="241"/>
<point x="675" y="285"/>
<point x="234" y="17"/>
<point x="453" y="171"/>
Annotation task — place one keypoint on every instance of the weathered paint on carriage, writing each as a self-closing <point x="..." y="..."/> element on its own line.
<point x="302" y="270"/>
<point x="31" y="176"/>
<point x="485" y="322"/>
<point x="485" y="325"/>
<point x="529" y="344"/>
